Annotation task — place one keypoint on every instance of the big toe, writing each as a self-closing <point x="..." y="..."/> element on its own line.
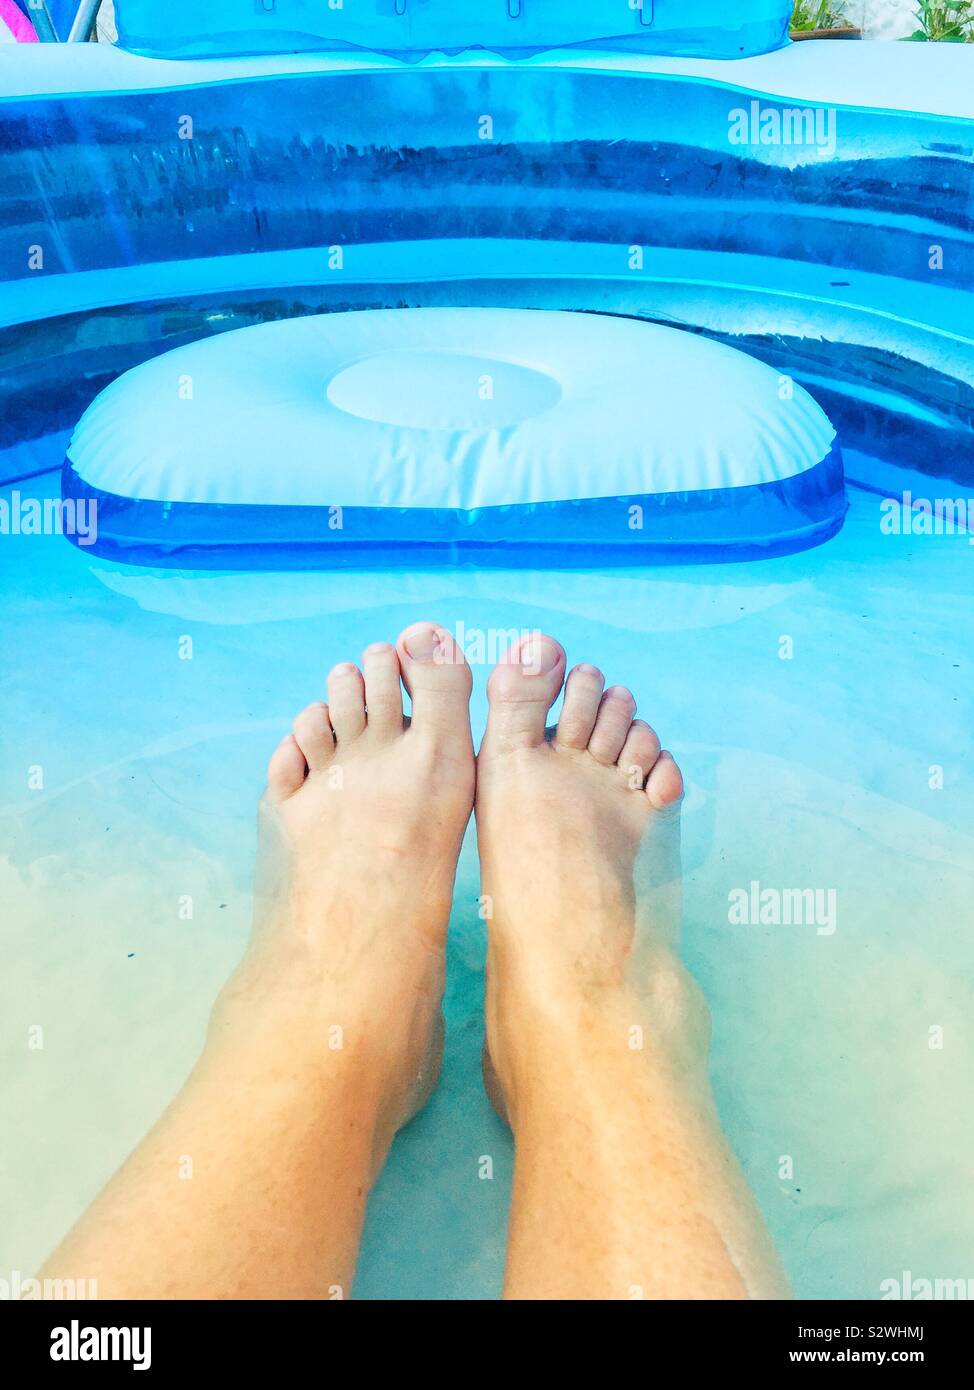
<point x="436" y="674"/>
<point x="521" y="690"/>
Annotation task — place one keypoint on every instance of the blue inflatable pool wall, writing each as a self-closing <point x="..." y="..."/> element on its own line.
<point x="811" y="205"/>
<point x="713" y="28"/>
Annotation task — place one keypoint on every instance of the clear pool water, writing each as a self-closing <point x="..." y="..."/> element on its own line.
<point x="813" y="771"/>
<point x="820" y="703"/>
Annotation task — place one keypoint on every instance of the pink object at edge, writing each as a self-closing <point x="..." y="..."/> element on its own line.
<point x="17" y="22"/>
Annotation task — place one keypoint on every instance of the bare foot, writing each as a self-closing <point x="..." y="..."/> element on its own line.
<point x="563" y="818"/>
<point x="327" y="1037"/>
<point x="360" y="830"/>
<point x="624" y="1183"/>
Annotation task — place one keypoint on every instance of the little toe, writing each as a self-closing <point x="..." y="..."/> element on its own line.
<point x="665" y="785"/>
<point x="286" y="770"/>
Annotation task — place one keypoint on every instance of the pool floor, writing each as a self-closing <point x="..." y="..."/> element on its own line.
<point x="811" y="700"/>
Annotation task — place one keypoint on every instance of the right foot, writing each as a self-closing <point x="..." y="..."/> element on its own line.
<point x="562" y="816"/>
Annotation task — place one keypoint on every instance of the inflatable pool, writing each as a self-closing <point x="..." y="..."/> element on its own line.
<point x="802" y="219"/>
<point x="812" y="206"/>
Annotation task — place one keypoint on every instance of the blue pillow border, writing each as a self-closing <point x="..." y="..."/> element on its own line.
<point x="756" y="521"/>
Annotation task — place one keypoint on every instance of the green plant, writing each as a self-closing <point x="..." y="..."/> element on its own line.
<point x="818" y="14"/>
<point x="945" y="21"/>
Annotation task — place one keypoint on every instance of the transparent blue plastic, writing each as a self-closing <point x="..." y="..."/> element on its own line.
<point x="818" y="262"/>
<point x="708" y="28"/>
<point x="747" y="523"/>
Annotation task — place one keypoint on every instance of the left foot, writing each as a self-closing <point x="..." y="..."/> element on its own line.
<point x="359" y="834"/>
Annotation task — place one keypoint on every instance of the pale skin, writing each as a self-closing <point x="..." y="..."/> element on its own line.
<point x="328" y="1037"/>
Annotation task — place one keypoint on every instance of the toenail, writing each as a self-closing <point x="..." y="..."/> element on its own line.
<point x="344" y="668"/>
<point x="586" y="670"/>
<point x="423" y="644"/>
<point x="538" y="656"/>
<point x="619" y="692"/>
<point x="378" y="647"/>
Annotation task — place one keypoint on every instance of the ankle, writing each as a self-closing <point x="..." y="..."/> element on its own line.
<point x="552" y="1033"/>
<point x="352" y="1045"/>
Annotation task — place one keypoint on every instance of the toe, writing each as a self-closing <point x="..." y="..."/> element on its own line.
<point x="346" y="701"/>
<point x="521" y="690"/>
<point x="612" y="725"/>
<point x="583" y="691"/>
<point x="383" y="690"/>
<point x="436" y="674"/>
<point x="665" y="785"/>
<point x="315" y="736"/>
<point x="286" y="771"/>
<point x="639" y="754"/>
